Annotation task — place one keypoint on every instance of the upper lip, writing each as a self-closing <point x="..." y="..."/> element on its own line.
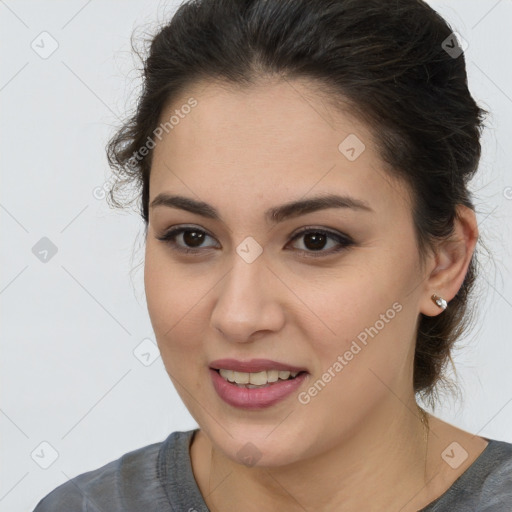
<point x="253" y="365"/>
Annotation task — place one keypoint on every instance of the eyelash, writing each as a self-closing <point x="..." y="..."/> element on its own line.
<point x="343" y="240"/>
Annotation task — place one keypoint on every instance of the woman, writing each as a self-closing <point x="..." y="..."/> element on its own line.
<point x="310" y="252"/>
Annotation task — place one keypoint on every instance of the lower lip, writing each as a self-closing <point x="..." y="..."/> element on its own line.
<point x="255" y="398"/>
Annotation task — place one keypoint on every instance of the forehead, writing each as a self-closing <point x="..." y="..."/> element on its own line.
<point x="271" y="139"/>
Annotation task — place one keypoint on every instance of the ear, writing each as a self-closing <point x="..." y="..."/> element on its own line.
<point x="451" y="261"/>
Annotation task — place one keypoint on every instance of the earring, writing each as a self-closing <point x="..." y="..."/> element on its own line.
<point x="440" y="301"/>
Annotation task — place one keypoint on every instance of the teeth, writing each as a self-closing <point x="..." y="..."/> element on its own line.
<point x="242" y="378"/>
<point x="272" y="375"/>
<point x="228" y="374"/>
<point x="258" y="378"/>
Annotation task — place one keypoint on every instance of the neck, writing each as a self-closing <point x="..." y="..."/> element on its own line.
<point x="381" y="465"/>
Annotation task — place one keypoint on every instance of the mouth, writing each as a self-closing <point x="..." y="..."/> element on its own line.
<point x="254" y="380"/>
<point x="255" y="384"/>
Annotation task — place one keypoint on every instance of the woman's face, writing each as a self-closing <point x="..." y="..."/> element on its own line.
<point x="345" y="313"/>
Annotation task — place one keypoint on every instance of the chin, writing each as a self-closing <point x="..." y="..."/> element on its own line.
<point x="258" y="445"/>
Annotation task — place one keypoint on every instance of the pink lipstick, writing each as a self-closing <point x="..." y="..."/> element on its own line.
<point x="275" y="381"/>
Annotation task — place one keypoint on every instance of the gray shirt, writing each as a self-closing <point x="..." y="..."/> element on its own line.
<point x="159" y="478"/>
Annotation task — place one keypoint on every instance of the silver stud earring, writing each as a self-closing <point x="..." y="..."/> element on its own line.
<point x="440" y="301"/>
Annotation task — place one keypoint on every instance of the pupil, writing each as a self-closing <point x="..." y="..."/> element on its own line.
<point x="318" y="240"/>
<point x="194" y="240"/>
<point x="312" y="240"/>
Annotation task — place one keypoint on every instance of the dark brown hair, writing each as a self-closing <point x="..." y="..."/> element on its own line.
<point x="395" y="65"/>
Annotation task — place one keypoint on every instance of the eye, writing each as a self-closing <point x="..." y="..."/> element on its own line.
<point x="315" y="240"/>
<point x="191" y="236"/>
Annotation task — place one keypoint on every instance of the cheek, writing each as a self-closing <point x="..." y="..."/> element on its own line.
<point x="160" y="296"/>
<point x="360" y="323"/>
<point x="356" y="369"/>
<point x="172" y="306"/>
<point x="171" y="300"/>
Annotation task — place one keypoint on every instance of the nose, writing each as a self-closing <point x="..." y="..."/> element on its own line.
<point x="248" y="304"/>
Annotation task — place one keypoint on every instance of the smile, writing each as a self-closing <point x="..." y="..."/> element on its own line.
<point x="256" y="380"/>
<point x="246" y="395"/>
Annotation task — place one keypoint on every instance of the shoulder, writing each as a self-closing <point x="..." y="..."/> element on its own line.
<point x="496" y="477"/>
<point x="125" y="484"/>
<point x="485" y="486"/>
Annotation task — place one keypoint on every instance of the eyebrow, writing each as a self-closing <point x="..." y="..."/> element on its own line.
<point x="273" y="215"/>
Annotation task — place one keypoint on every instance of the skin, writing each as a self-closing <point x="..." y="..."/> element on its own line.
<point x="244" y="151"/>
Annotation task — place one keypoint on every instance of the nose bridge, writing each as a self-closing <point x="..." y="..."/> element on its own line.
<point x="248" y="271"/>
<point x="247" y="298"/>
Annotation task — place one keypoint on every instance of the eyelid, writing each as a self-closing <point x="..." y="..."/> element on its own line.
<point x="174" y="231"/>
<point x="344" y="240"/>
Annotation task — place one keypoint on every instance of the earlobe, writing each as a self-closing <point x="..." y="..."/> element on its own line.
<point x="439" y="301"/>
<point x="436" y="305"/>
<point x="453" y="257"/>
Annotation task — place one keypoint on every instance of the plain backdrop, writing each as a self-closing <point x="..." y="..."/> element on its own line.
<point x="76" y="391"/>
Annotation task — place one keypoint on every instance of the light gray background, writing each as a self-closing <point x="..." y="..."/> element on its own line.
<point x="70" y="326"/>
